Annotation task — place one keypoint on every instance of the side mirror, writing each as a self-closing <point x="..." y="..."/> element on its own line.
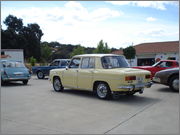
<point x="158" y="66"/>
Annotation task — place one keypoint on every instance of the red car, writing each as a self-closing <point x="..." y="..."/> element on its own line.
<point x="161" y="65"/>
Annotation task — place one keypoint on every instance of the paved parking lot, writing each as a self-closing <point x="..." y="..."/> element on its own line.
<point x="36" y="108"/>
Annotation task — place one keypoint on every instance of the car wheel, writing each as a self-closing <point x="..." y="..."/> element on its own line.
<point x="174" y="83"/>
<point x="103" y="91"/>
<point x="25" y="82"/>
<point x="2" y="82"/>
<point x="57" y="85"/>
<point x="40" y="75"/>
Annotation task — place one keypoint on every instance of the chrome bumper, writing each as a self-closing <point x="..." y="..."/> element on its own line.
<point x="135" y="86"/>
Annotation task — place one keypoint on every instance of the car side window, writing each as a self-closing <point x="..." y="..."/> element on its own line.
<point x="165" y="64"/>
<point x="88" y="62"/>
<point x="55" y="63"/>
<point x="64" y="63"/>
<point x="169" y="64"/>
<point x="74" y="63"/>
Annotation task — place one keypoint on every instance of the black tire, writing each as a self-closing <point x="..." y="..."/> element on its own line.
<point x="103" y="91"/>
<point x="57" y="85"/>
<point x="2" y="82"/>
<point x="40" y="75"/>
<point x="25" y="82"/>
<point x="174" y="83"/>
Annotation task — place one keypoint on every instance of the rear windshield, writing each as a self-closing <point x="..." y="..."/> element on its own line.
<point x="109" y="62"/>
<point x="12" y="64"/>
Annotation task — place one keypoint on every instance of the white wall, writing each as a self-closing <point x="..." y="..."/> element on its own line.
<point x="15" y="55"/>
<point x="164" y="56"/>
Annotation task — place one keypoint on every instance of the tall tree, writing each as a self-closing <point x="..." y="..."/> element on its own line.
<point x="46" y="52"/>
<point x="14" y="23"/>
<point x="17" y="36"/>
<point x="78" y="50"/>
<point x="102" y="48"/>
<point x="129" y="52"/>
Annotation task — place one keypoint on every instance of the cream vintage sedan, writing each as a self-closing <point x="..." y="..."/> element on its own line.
<point x="105" y="74"/>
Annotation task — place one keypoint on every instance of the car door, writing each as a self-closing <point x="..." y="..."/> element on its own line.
<point x="70" y="74"/>
<point x="53" y="65"/>
<point x="86" y="72"/>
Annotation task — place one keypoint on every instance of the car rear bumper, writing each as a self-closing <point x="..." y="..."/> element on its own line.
<point x="16" y="79"/>
<point x="136" y="86"/>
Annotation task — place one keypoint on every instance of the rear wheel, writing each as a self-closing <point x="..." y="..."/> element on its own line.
<point x="103" y="91"/>
<point x="2" y="82"/>
<point x="40" y="75"/>
<point x="25" y="82"/>
<point x="174" y="83"/>
<point x="57" y="85"/>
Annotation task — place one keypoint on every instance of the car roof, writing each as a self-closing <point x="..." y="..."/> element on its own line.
<point x="61" y="59"/>
<point x="96" y="55"/>
<point x="9" y="61"/>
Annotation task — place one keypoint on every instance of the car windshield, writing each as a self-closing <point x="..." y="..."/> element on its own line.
<point x="13" y="64"/>
<point x="109" y="62"/>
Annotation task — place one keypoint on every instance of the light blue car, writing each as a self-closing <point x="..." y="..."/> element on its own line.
<point x="14" y="71"/>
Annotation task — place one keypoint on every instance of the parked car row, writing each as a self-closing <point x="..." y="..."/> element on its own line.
<point x="103" y="74"/>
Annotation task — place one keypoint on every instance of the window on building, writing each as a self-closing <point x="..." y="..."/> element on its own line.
<point x="2" y="53"/>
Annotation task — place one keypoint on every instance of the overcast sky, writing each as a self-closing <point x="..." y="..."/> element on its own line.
<point x="120" y="24"/>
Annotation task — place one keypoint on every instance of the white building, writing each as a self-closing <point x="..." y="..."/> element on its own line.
<point x="12" y="54"/>
<point x="150" y="53"/>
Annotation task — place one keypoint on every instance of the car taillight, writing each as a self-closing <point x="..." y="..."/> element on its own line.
<point x="130" y="78"/>
<point x="148" y="76"/>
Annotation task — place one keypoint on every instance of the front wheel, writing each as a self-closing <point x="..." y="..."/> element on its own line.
<point x="57" y="85"/>
<point x="40" y="75"/>
<point x="25" y="82"/>
<point x="103" y="91"/>
<point x="174" y="83"/>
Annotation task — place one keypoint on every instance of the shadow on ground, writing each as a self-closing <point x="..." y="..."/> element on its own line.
<point x="14" y="84"/>
<point x="167" y="90"/>
<point x="137" y="99"/>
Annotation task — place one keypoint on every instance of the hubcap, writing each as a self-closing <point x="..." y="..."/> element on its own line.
<point x="175" y="84"/>
<point x="57" y="84"/>
<point x="102" y="90"/>
<point x="40" y="74"/>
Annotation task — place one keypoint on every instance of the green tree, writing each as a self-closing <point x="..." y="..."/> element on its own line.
<point x="102" y="48"/>
<point x="32" y="60"/>
<point x="13" y="23"/>
<point x="78" y="50"/>
<point x="129" y="52"/>
<point x="46" y="52"/>
<point x="17" y="36"/>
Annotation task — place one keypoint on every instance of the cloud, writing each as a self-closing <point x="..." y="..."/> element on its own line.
<point x="71" y="23"/>
<point x="161" y="5"/>
<point x="156" y="32"/>
<point x="150" y="19"/>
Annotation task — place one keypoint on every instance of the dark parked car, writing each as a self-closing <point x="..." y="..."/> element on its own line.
<point x="42" y="71"/>
<point x="14" y="71"/>
<point x="168" y="77"/>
